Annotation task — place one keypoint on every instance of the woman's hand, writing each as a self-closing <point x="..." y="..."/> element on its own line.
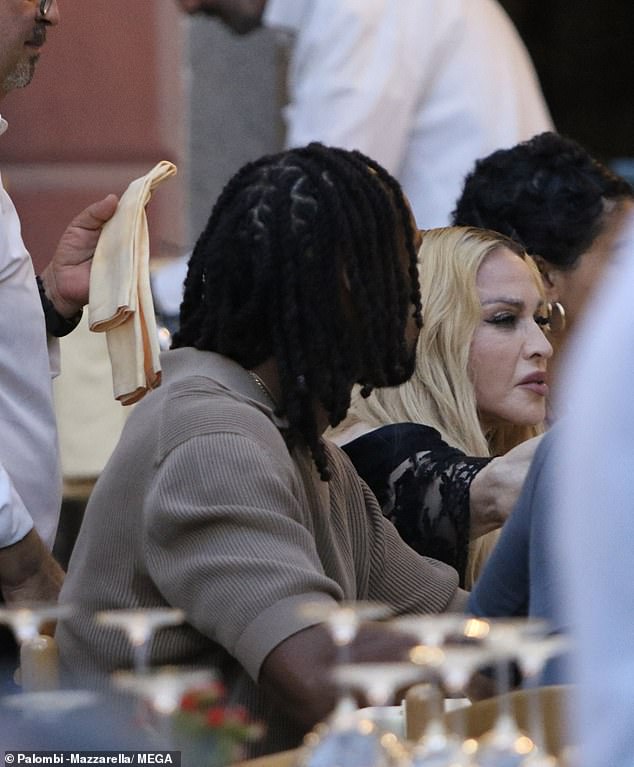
<point x="496" y="487"/>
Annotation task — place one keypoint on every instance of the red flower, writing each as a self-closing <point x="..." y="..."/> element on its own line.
<point x="203" y="710"/>
<point x="189" y="702"/>
<point x="215" y="716"/>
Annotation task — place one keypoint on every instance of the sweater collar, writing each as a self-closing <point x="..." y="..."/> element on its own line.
<point x="187" y="361"/>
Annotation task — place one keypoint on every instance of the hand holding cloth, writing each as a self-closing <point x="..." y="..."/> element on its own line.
<point x="120" y="295"/>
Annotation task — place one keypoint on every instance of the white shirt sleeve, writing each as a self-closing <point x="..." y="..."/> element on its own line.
<point x="15" y="520"/>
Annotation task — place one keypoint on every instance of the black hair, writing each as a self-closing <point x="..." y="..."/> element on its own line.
<point x="266" y="280"/>
<point x="547" y="193"/>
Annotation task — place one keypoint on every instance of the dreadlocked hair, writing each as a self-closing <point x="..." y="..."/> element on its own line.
<point x="302" y="260"/>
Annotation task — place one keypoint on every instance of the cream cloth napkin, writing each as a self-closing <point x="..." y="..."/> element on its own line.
<point x="120" y="296"/>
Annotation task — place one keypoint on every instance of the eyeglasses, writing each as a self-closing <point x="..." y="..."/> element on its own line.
<point x="44" y="6"/>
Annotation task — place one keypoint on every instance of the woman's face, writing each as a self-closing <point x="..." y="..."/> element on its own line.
<point x="509" y="351"/>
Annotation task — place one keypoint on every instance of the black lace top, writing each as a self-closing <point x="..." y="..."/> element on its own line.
<point x="422" y="485"/>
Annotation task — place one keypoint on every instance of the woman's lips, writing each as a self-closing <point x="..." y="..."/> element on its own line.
<point x="536" y="382"/>
<point x="538" y="388"/>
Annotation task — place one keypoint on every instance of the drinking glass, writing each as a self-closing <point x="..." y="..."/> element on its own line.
<point x="505" y="745"/>
<point x="345" y="738"/>
<point x="436" y="747"/>
<point x="379" y="682"/>
<point x="140" y="624"/>
<point x="458" y="664"/>
<point x="39" y="667"/>
<point x="533" y="654"/>
<point x="343" y="619"/>
<point x="161" y="689"/>
<point x="26" y="620"/>
<point x="434" y="630"/>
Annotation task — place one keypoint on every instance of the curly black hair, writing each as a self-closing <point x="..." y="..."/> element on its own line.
<point x="265" y="280"/>
<point x="547" y="193"/>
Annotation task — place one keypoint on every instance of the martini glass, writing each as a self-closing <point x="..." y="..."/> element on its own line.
<point x="505" y="745"/>
<point x="38" y="653"/>
<point x="436" y="747"/>
<point x="161" y="689"/>
<point x="434" y="630"/>
<point x="342" y="619"/>
<point x="457" y="665"/>
<point x="26" y="620"/>
<point x="534" y="653"/>
<point x="140" y="624"/>
<point x="345" y="738"/>
<point x="379" y="682"/>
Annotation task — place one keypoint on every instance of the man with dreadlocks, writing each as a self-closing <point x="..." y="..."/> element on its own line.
<point x="221" y="497"/>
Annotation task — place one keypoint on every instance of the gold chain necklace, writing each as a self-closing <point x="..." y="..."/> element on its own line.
<point x="263" y="387"/>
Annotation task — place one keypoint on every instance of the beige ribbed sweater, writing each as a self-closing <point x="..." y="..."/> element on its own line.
<point x="202" y="507"/>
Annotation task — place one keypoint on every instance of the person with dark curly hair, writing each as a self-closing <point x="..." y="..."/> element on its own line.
<point x="568" y="211"/>
<point x="221" y="497"/>
<point x="563" y="206"/>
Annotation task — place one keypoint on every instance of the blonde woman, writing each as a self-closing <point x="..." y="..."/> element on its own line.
<point x="446" y="452"/>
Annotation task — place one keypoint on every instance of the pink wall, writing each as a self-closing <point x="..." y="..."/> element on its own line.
<point x="105" y="105"/>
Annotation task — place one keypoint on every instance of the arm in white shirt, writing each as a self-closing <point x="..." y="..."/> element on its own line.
<point x="28" y="572"/>
<point x="15" y="520"/>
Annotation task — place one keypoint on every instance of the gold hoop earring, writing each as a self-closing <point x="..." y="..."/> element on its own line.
<point x="557" y="317"/>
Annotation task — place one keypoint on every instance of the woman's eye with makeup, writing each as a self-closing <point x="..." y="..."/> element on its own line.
<point x="503" y="319"/>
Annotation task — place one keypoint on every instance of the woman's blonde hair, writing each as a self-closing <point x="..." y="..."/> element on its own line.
<point x="441" y="393"/>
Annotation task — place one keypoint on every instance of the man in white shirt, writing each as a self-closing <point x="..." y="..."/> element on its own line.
<point x="425" y="87"/>
<point x="30" y="482"/>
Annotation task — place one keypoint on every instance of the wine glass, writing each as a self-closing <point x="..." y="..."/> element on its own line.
<point x="436" y="747"/>
<point x="434" y="630"/>
<point x="344" y="738"/>
<point x="27" y="619"/>
<point x="458" y="663"/>
<point x="505" y="745"/>
<point x="379" y="682"/>
<point x="162" y="689"/>
<point x="342" y="619"/>
<point x="38" y="654"/>
<point x="534" y="653"/>
<point x="140" y="624"/>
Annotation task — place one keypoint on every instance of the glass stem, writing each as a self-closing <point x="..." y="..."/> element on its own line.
<point x="435" y="731"/>
<point x="141" y="656"/>
<point x="536" y="719"/>
<point x="346" y="702"/>
<point x="505" y="723"/>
